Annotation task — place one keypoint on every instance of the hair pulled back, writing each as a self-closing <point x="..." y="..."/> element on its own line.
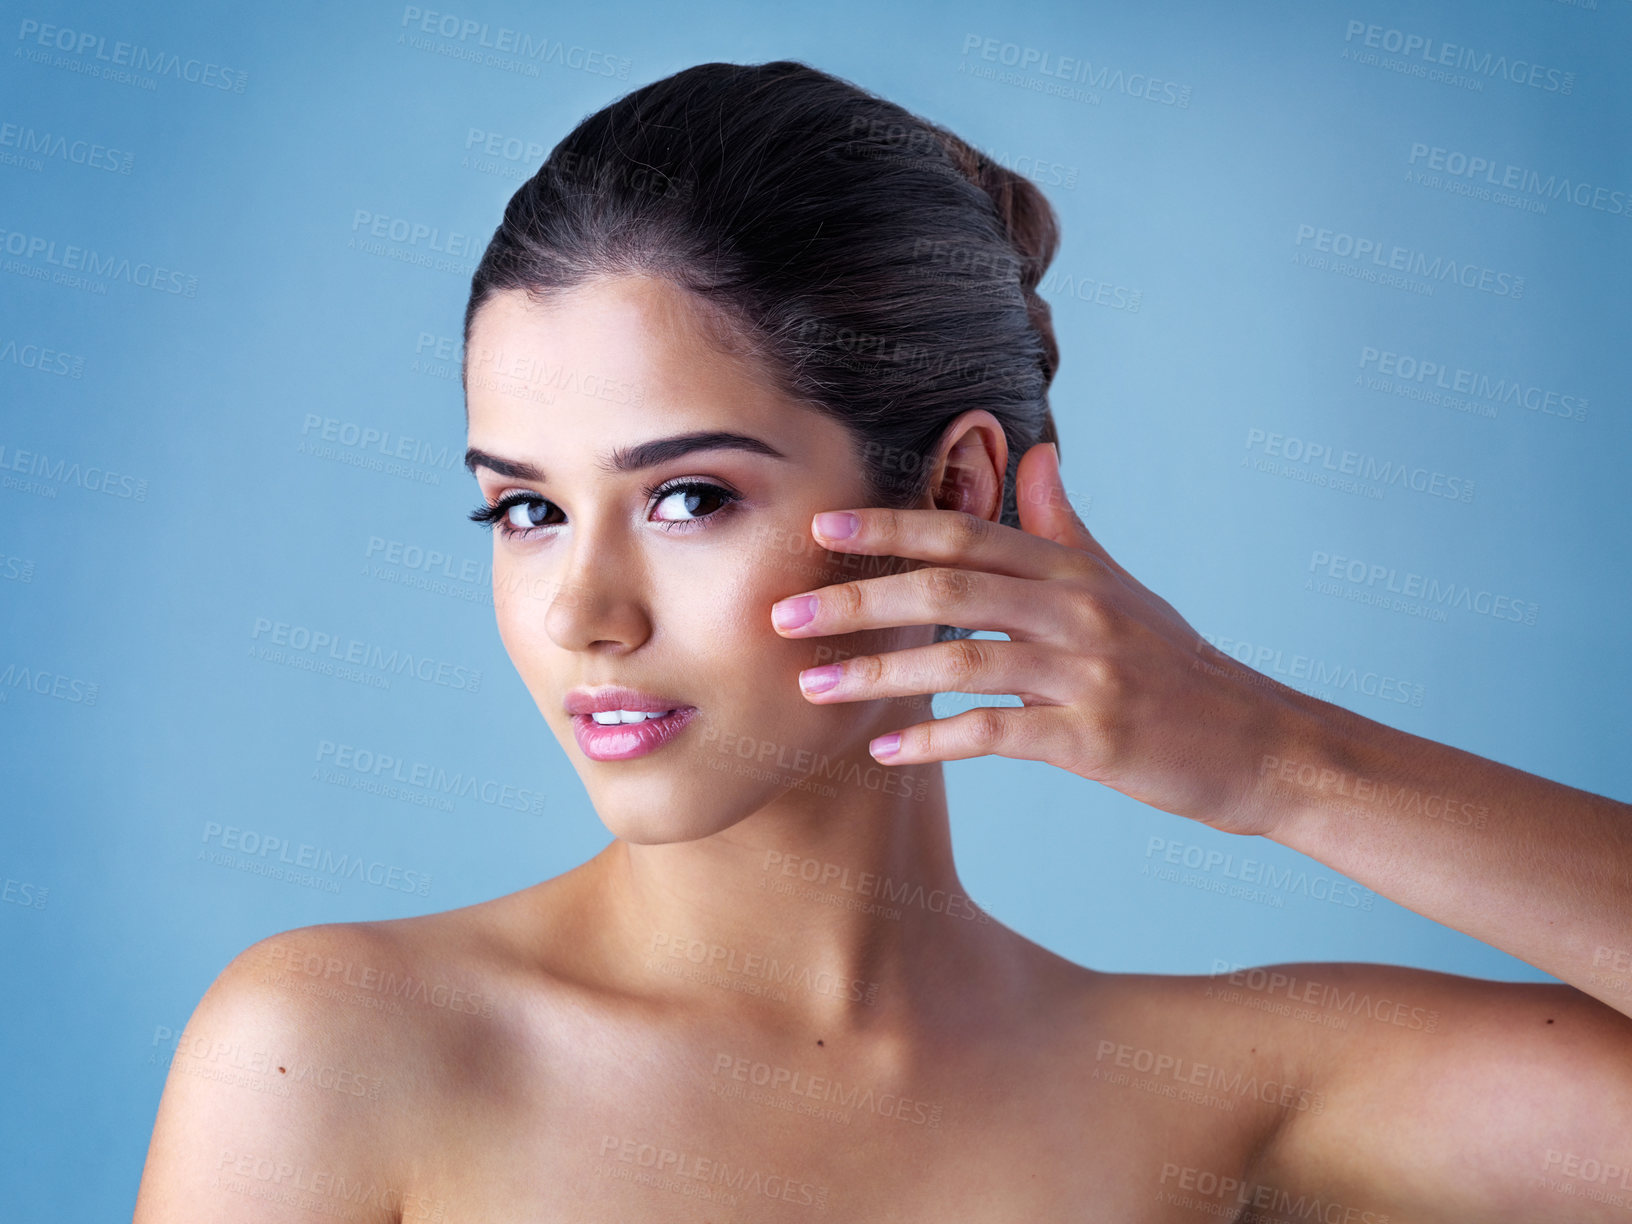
<point x="877" y="267"/>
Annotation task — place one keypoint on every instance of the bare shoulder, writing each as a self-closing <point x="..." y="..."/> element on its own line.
<point x="1442" y="1096"/>
<point x="1388" y="1091"/>
<point x="306" y="1071"/>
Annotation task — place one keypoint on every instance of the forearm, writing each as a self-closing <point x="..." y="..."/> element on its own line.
<point x="1533" y="867"/>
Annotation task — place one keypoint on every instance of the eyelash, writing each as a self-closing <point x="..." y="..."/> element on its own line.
<point x="495" y="514"/>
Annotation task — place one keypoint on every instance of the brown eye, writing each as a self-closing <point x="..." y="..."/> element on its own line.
<point x="696" y="499"/>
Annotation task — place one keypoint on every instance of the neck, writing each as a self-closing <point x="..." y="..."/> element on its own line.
<point x="842" y="912"/>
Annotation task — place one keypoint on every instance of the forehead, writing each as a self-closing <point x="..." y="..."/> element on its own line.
<point x="611" y="346"/>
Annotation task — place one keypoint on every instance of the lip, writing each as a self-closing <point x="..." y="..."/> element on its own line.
<point x="626" y="741"/>
<point x="617" y="697"/>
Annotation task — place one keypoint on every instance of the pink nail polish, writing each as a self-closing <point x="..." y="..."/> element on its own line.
<point x="819" y="679"/>
<point x="794" y="613"/>
<point x="837" y="525"/>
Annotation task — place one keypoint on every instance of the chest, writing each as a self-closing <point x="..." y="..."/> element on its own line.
<point x="712" y="1135"/>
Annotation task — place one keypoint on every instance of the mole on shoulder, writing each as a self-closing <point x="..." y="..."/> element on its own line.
<point x="819" y="1040"/>
<point x="1549" y="1020"/>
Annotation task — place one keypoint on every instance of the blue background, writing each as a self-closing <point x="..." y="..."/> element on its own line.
<point x="1189" y="315"/>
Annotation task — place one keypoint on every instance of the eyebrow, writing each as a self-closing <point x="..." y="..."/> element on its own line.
<point x="633" y="458"/>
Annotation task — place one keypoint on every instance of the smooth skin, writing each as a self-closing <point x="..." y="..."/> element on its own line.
<point x="770" y="997"/>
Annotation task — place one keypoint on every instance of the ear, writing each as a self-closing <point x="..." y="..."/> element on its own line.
<point x="969" y="465"/>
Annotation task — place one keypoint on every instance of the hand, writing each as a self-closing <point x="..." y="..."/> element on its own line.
<point x="1116" y="686"/>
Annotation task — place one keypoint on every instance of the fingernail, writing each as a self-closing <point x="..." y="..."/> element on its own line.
<point x="819" y="679"/>
<point x="792" y="613"/>
<point x="886" y="745"/>
<point x="837" y="524"/>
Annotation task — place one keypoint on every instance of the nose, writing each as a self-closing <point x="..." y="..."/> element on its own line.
<point x="599" y="599"/>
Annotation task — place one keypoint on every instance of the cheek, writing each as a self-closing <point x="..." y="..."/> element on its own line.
<point x="520" y="603"/>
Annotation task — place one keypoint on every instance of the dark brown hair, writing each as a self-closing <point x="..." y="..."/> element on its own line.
<point x="879" y="269"/>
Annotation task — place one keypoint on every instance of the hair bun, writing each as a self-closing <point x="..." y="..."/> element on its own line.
<point x="1029" y="222"/>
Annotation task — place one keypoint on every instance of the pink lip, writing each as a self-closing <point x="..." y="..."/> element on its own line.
<point x="625" y="741"/>
<point x="617" y="697"/>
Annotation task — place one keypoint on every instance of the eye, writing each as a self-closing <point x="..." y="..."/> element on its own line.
<point x="689" y="496"/>
<point x="534" y="510"/>
<point x="521" y="514"/>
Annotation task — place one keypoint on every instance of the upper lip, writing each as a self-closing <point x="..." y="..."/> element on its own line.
<point x="616" y="697"/>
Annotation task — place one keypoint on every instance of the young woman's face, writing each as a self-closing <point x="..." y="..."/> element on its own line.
<point x="661" y="577"/>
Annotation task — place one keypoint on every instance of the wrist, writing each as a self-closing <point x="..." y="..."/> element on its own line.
<point x="1313" y="772"/>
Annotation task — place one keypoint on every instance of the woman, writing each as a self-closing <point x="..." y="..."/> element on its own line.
<point x="756" y="384"/>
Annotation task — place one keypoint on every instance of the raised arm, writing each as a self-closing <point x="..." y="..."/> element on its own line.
<point x="1534" y="867"/>
<point x="1118" y="688"/>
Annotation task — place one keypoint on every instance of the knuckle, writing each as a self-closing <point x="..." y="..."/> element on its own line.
<point x="985" y="725"/>
<point x="1102" y="675"/>
<point x="880" y="526"/>
<point x="964" y="658"/>
<point x="868" y="669"/>
<point x="946" y="586"/>
<point x="845" y="600"/>
<point x="969" y="529"/>
<point x="1094" y="614"/>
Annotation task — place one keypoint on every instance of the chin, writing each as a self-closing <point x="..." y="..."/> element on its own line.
<point x="663" y="825"/>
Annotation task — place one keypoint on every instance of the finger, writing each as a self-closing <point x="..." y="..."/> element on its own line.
<point x="1028" y="733"/>
<point x="1029" y="671"/>
<point x="1045" y="506"/>
<point x="949" y="537"/>
<point x="933" y="596"/>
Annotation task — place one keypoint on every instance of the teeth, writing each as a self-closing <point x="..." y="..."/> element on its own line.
<point x="610" y="718"/>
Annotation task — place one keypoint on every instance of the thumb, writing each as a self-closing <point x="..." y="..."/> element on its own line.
<point x="1040" y="496"/>
<point x="1045" y="506"/>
